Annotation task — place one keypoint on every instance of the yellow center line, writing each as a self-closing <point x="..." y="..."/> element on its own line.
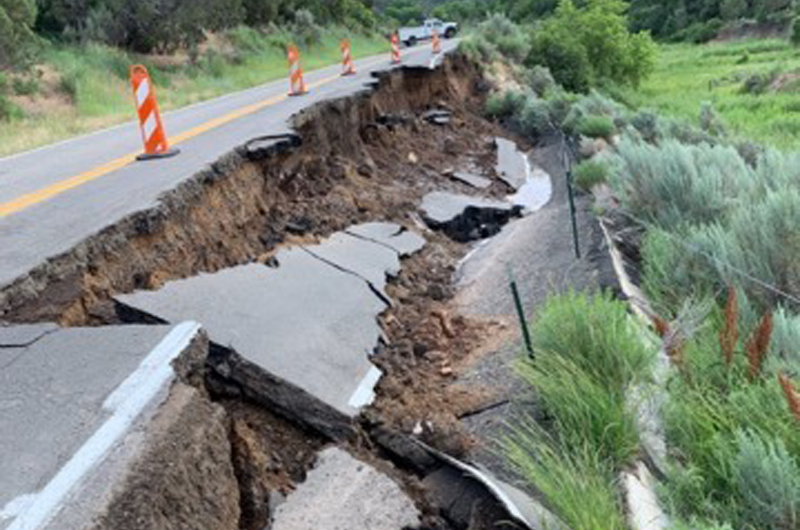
<point x="48" y="192"/>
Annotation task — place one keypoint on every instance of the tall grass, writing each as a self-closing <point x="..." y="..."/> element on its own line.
<point x="588" y="355"/>
<point x="687" y="75"/>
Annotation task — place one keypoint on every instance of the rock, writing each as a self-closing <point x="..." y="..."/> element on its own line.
<point x="412" y="157"/>
<point x="342" y="493"/>
<point x="465" y="218"/>
<point x="470" y="179"/>
<point x="512" y="164"/>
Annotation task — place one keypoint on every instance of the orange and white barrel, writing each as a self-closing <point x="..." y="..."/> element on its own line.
<point x="348" y="67"/>
<point x="396" y="49"/>
<point x="436" y="42"/>
<point x="154" y="137"/>
<point x="297" y="86"/>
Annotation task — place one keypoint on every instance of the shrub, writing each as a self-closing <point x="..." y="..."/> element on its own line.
<point x="478" y="49"/>
<point x="504" y="36"/>
<point x="710" y="121"/>
<point x="246" y="40"/>
<point x="596" y="127"/>
<point x="8" y="110"/>
<point x="17" y="39"/>
<point x="647" y="124"/>
<point x="757" y="84"/>
<point x="675" y="184"/>
<point x="590" y="173"/>
<point x="506" y="104"/>
<point x="540" y="80"/>
<point x="305" y="29"/>
<point x="594" y="104"/>
<point x="535" y="118"/>
<point x="795" y="34"/>
<point x="767" y="477"/>
<point x="25" y="86"/>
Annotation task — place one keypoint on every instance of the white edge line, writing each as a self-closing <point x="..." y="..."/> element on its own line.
<point x="126" y="411"/>
<point x="365" y="393"/>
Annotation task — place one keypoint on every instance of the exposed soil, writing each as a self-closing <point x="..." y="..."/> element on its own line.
<point x="366" y="158"/>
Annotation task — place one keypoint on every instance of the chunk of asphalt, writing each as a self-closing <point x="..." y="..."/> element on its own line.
<point x="69" y="399"/>
<point x="13" y="336"/>
<point x="476" y="181"/>
<point x="342" y="493"/>
<point x="464" y="218"/>
<point x="512" y="164"/>
<point x="370" y="261"/>
<point x="394" y="236"/>
<point x="297" y="338"/>
<point x="437" y="116"/>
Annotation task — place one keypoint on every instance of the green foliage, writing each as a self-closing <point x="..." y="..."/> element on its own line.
<point x="589" y="45"/>
<point x="8" y="110"/>
<point x="405" y="12"/>
<point x="580" y="486"/>
<point x="25" y="86"/>
<point x="508" y="38"/>
<point x="541" y="81"/>
<point x="795" y="35"/>
<point x="596" y="127"/>
<point x="733" y="435"/>
<point x="590" y="173"/>
<point x="594" y="334"/>
<point x="767" y="477"/>
<point x="588" y="353"/>
<point x="17" y="40"/>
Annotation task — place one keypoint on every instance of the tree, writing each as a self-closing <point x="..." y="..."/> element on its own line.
<point x="17" y="18"/>
<point x="584" y="46"/>
<point x="405" y="11"/>
<point x="733" y="9"/>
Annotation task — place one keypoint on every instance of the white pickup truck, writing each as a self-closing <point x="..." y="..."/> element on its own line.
<point x="412" y="35"/>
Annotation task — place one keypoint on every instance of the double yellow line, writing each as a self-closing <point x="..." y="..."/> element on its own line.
<point x="48" y="192"/>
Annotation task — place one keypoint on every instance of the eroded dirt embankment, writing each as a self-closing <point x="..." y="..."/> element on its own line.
<point x="364" y="158"/>
<point x="353" y="165"/>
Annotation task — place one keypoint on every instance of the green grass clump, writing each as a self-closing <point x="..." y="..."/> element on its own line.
<point x="596" y="127"/>
<point x="580" y="487"/>
<point x="590" y="173"/>
<point x="588" y="355"/>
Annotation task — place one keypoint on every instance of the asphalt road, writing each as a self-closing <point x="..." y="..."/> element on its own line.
<point x="56" y="196"/>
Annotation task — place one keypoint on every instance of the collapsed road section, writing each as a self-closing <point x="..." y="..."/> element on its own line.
<point x="319" y="267"/>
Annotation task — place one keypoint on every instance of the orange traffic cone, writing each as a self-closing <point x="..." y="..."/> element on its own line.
<point x="153" y="135"/>
<point x="296" y="83"/>
<point x="436" y="42"/>
<point x="396" y="49"/>
<point x="348" y="67"/>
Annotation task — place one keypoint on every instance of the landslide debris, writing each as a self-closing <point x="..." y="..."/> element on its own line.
<point x="372" y="157"/>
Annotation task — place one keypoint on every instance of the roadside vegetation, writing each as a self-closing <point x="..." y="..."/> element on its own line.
<point x="717" y="205"/>
<point x="64" y="63"/>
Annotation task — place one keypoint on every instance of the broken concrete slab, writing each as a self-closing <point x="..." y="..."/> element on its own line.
<point x="464" y="218"/>
<point x="18" y="336"/>
<point x="476" y="181"/>
<point x="370" y="261"/>
<point x="536" y="192"/>
<point x="76" y="404"/>
<point x="297" y="337"/>
<point x="404" y="242"/>
<point x="512" y="164"/>
<point x="342" y="493"/>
